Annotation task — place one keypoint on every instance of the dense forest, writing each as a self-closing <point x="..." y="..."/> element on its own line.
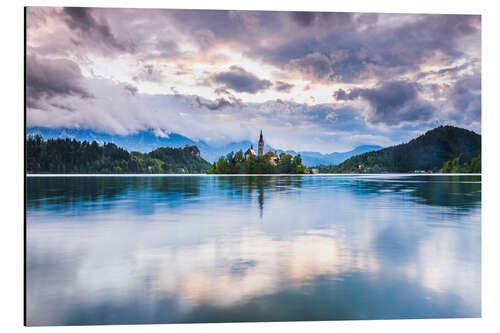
<point x="461" y="165"/>
<point x="71" y="156"/>
<point x="444" y="149"/>
<point x="237" y="164"/>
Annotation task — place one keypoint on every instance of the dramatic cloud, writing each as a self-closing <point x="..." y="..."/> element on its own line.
<point x="312" y="66"/>
<point x="80" y="19"/>
<point x="48" y="78"/>
<point x="392" y="103"/>
<point x="385" y="51"/>
<point x="239" y="80"/>
<point x="219" y="103"/>
<point x="222" y="75"/>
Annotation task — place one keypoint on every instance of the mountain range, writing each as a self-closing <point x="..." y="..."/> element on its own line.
<point x="147" y="141"/>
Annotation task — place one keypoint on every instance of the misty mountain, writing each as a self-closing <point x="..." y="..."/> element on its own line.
<point x="144" y="141"/>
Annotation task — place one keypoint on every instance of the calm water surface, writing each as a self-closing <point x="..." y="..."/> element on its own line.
<point x="120" y="250"/>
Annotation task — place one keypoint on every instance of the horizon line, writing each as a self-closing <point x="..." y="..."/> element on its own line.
<point x="242" y="174"/>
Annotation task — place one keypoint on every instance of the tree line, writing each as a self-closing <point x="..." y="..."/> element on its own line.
<point x="461" y="165"/>
<point x="72" y="156"/>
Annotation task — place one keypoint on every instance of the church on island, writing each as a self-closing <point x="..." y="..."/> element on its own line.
<point x="273" y="157"/>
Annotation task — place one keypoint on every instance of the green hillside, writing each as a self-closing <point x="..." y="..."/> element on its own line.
<point x="445" y="149"/>
<point x="70" y="156"/>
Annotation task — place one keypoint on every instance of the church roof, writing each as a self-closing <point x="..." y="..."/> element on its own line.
<point x="272" y="154"/>
<point x="249" y="151"/>
<point x="261" y="139"/>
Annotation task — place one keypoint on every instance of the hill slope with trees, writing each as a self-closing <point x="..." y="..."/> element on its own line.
<point x="443" y="149"/>
<point x="59" y="156"/>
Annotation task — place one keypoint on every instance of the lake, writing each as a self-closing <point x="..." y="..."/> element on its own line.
<point x="190" y="249"/>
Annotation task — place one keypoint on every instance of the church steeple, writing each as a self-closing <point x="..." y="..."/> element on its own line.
<point x="261" y="144"/>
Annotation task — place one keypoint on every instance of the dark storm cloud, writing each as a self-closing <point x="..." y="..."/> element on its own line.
<point x="149" y="73"/>
<point x="283" y="86"/>
<point x="48" y="78"/>
<point x="92" y="31"/>
<point x="240" y="80"/>
<point x="392" y="103"/>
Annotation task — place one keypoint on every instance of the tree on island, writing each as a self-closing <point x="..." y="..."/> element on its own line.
<point x="258" y="164"/>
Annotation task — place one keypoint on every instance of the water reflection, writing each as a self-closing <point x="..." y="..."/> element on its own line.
<point x="261" y="197"/>
<point x="461" y="192"/>
<point x="208" y="249"/>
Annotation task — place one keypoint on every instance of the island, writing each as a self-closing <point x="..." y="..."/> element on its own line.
<point x="260" y="163"/>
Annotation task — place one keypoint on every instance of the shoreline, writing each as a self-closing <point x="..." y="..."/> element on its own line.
<point x="251" y="175"/>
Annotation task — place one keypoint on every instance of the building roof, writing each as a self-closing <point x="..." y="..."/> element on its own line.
<point x="272" y="154"/>
<point x="249" y="151"/>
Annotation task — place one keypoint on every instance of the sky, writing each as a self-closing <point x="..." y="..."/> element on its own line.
<point x="312" y="81"/>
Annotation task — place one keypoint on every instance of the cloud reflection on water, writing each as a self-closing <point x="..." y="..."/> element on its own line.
<point x="217" y="258"/>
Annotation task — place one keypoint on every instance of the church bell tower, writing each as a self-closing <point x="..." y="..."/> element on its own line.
<point x="261" y="144"/>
